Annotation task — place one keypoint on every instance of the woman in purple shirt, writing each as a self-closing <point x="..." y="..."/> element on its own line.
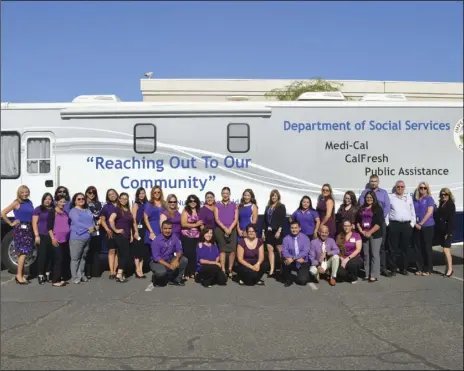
<point x="63" y="191"/>
<point x="348" y="210"/>
<point x="307" y="217"/>
<point x="326" y="209"/>
<point x="226" y="217"/>
<point x="82" y="227"/>
<point x="108" y="209"/>
<point x="190" y="233"/>
<point x="206" y="213"/>
<point x="138" y="247"/>
<point x="247" y="212"/>
<point x="172" y="214"/>
<point x="23" y="237"/>
<point x="250" y="257"/>
<point x="59" y="232"/>
<point x="424" y="229"/>
<point x="42" y="238"/>
<point x="153" y="210"/>
<point x="350" y="245"/>
<point x="209" y="270"/>
<point x="92" y="266"/>
<point x="125" y="231"/>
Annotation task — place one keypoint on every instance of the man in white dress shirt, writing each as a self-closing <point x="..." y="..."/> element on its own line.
<point x="401" y="219"/>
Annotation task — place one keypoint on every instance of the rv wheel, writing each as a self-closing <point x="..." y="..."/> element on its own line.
<point x="9" y="258"/>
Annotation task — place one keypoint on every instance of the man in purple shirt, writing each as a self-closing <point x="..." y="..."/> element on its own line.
<point x="295" y="252"/>
<point x="168" y="264"/>
<point x="324" y="256"/>
<point x="384" y="200"/>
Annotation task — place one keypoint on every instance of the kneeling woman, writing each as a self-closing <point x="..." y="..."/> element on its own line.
<point x="209" y="270"/>
<point x="125" y="230"/>
<point x="350" y="244"/>
<point x="250" y="257"/>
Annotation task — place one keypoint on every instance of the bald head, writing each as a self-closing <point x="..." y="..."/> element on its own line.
<point x="399" y="187"/>
<point x="323" y="232"/>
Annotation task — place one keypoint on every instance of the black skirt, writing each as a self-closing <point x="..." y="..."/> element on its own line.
<point x="272" y="240"/>
<point x="138" y="248"/>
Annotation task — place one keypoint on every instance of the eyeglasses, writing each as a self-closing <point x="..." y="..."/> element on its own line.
<point x="399" y="186"/>
<point x="422" y="187"/>
<point x="190" y="201"/>
<point x="174" y="202"/>
<point x="325" y="190"/>
<point x="444" y="195"/>
<point x="80" y="199"/>
<point x="91" y="192"/>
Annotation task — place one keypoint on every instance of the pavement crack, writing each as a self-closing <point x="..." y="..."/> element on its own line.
<point x="67" y="303"/>
<point x="190" y="343"/>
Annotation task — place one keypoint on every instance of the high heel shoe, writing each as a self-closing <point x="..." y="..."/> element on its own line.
<point x="41" y="280"/>
<point x="142" y="276"/>
<point x="448" y="275"/>
<point x="21" y="282"/>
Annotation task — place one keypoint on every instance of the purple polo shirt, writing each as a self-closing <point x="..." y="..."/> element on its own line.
<point x="226" y="213"/>
<point x="350" y="245"/>
<point x="307" y="220"/>
<point x="164" y="248"/>
<point x="420" y="207"/>
<point x="207" y="253"/>
<point x="207" y="216"/>
<point x="382" y="197"/>
<point x="42" y="224"/>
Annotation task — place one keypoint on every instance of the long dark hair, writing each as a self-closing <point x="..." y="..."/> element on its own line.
<point x="202" y="235"/>
<point x="67" y="196"/>
<point x="187" y="204"/>
<point x="301" y="203"/>
<point x="354" y="201"/>
<point x="119" y="205"/>
<point x="252" y="200"/>
<point x="274" y="192"/>
<point x="95" y="192"/>
<point x="45" y="195"/>
<point x="137" y="194"/>
<point x="107" y="193"/>
<point x="375" y="205"/>
<point x="73" y="201"/>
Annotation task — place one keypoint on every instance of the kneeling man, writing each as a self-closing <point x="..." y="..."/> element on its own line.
<point x="168" y="264"/>
<point x="295" y="251"/>
<point x="324" y="256"/>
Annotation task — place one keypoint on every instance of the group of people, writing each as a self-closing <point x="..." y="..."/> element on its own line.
<point x="220" y="240"/>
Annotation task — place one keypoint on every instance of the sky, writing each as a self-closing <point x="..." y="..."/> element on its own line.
<point x="55" y="51"/>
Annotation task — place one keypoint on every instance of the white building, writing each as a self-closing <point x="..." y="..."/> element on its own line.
<point x="198" y="90"/>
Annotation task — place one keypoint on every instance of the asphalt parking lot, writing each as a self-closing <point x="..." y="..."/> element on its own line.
<point x="397" y="323"/>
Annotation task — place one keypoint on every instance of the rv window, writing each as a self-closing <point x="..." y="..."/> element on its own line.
<point x="238" y="138"/>
<point x="38" y="156"/>
<point x="10" y="151"/>
<point x="144" y="138"/>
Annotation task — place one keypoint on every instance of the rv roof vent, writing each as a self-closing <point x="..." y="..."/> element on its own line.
<point x="384" y="97"/>
<point x="4" y="105"/>
<point x="237" y="98"/>
<point x="96" y="98"/>
<point x="315" y="96"/>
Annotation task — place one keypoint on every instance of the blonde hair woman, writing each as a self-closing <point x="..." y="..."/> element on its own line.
<point x="445" y="221"/>
<point x="152" y="213"/>
<point x="23" y="236"/>
<point x="423" y="232"/>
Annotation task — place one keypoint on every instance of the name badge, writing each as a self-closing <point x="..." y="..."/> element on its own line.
<point x="366" y="224"/>
<point x="417" y="219"/>
<point x="352" y="240"/>
<point x="175" y="254"/>
<point x="324" y="265"/>
<point x="23" y="226"/>
<point x="139" y="226"/>
<point x="269" y="229"/>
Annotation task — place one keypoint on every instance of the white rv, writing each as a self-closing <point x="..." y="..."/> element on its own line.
<point x="197" y="147"/>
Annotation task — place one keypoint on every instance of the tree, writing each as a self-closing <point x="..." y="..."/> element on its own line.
<point x="296" y="88"/>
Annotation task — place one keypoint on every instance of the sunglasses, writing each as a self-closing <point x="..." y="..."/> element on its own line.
<point x="62" y="191"/>
<point x="174" y="202"/>
<point x="192" y="201"/>
<point x="325" y="190"/>
<point x="422" y="187"/>
<point x="157" y="193"/>
<point x="80" y="199"/>
<point x="444" y="195"/>
<point x="91" y="192"/>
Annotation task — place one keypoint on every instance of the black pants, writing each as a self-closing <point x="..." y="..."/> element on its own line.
<point x="45" y="255"/>
<point x="92" y="263"/>
<point x="189" y="247"/>
<point x="58" y="256"/>
<point x="302" y="277"/>
<point x="123" y="249"/>
<point x="423" y="242"/>
<point x="383" y="257"/>
<point x="399" y="239"/>
<point x="211" y="274"/>
<point x="248" y="276"/>
<point x="351" y="271"/>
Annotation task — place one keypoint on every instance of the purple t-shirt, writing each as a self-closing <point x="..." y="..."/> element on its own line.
<point x="420" y="207"/>
<point x="350" y="245"/>
<point x="42" y="224"/>
<point x="207" y="216"/>
<point x="124" y="220"/>
<point x="250" y="256"/>
<point x="207" y="253"/>
<point x="307" y="220"/>
<point x="226" y="213"/>
<point x="175" y="220"/>
<point x="61" y="228"/>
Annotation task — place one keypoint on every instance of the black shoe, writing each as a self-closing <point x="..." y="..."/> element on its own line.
<point x="393" y="273"/>
<point x="404" y="272"/>
<point x="121" y="280"/>
<point x="287" y="284"/>
<point x="41" y="280"/>
<point x="21" y="283"/>
<point x="448" y="275"/>
<point x="176" y="283"/>
<point x="386" y="273"/>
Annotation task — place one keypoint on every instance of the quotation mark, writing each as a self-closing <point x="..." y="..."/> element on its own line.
<point x="212" y="177"/>
<point x="89" y="159"/>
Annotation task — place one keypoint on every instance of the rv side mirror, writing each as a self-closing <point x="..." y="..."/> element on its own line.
<point x="49" y="183"/>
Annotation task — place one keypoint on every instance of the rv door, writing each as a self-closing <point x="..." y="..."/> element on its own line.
<point x="38" y="163"/>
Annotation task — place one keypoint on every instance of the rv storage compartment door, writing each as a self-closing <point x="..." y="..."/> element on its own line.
<point x="38" y="162"/>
